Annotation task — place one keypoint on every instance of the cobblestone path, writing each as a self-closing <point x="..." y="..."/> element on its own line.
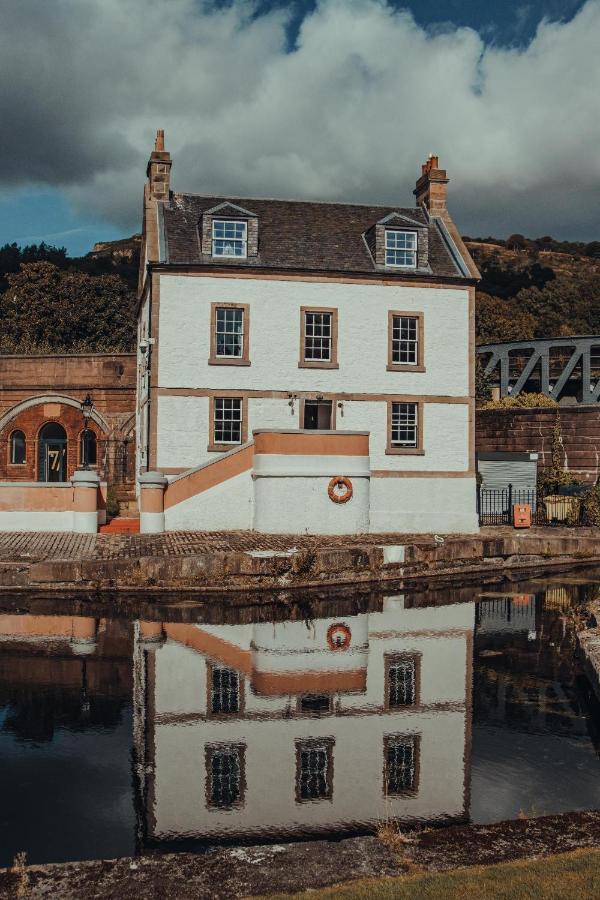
<point x="17" y="546"/>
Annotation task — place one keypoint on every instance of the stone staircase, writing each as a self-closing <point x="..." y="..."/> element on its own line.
<point x="120" y="525"/>
<point x="124" y="494"/>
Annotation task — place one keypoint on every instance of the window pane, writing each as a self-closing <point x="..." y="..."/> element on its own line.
<point x="404" y="425"/>
<point x="314" y="771"/>
<point x="225" y="691"/>
<point x="229" y="332"/>
<point x="88" y="448"/>
<point x="229" y="238"/>
<point x="400" y="248"/>
<point x="400" y="764"/>
<point x="17" y="448"/>
<point x="317" y="336"/>
<point x="405" y="340"/>
<point x="224" y="770"/>
<point x="402" y="683"/>
<point x="228" y="420"/>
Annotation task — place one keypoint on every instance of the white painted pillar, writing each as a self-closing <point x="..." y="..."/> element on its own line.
<point x="85" y="501"/>
<point x="152" y="502"/>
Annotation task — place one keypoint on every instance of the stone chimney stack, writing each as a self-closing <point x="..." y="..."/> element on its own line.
<point x="159" y="169"/>
<point x="432" y="188"/>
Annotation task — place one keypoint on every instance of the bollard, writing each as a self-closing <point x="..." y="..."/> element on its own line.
<point x="85" y="501"/>
<point x="83" y="635"/>
<point x="151" y="635"/>
<point x="152" y="502"/>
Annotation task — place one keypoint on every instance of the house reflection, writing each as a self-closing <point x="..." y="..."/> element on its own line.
<point x="295" y="728"/>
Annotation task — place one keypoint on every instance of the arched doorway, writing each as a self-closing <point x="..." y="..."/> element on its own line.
<point x="52" y="459"/>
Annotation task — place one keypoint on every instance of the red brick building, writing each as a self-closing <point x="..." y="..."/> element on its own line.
<point x="41" y="420"/>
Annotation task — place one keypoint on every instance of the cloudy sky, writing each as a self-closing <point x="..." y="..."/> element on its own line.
<point x="336" y="99"/>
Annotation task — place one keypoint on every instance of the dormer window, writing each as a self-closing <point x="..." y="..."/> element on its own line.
<point x="400" y="248"/>
<point x="229" y="238"/>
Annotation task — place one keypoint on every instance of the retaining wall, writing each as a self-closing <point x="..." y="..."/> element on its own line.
<point x="531" y="430"/>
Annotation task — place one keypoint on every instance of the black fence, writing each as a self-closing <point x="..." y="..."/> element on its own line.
<point x="495" y="507"/>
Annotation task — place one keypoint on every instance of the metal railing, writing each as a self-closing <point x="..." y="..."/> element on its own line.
<point x="495" y="507"/>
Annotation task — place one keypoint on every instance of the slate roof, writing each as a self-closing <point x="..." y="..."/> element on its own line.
<point x="302" y="235"/>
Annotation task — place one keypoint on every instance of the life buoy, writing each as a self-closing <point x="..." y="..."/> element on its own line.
<point x="339" y="481"/>
<point x="338" y="636"/>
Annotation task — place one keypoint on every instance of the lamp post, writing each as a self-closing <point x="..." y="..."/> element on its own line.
<point x="87" y="406"/>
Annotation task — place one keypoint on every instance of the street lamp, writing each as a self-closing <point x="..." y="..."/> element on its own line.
<point x="87" y="406"/>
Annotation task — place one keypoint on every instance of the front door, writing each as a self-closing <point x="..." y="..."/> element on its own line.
<point x="54" y="460"/>
<point x="52" y="464"/>
<point x="318" y="414"/>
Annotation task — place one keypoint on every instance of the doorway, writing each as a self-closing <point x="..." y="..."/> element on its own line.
<point x="318" y="415"/>
<point x="52" y="461"/>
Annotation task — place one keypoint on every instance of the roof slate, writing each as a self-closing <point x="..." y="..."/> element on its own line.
<point x="299" y="235"/>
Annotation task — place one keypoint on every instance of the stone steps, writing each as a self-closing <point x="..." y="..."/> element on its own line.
<point x="121" y="525"/>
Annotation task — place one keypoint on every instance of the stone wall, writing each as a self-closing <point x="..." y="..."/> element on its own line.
<point x="530" y="430"/>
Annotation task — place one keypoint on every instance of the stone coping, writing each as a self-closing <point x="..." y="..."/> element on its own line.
<point x="228" y="561"/>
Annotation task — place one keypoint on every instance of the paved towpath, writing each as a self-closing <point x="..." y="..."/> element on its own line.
<point x="33" y="547"/>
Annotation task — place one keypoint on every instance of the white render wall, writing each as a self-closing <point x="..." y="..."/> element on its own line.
<point x="424" y="505"/>
<point x="397" y="504"/>
<point x="37" y="520"/>
<point x="225" y="507"/>
<point x="184" y="336"/>
<point x="183" y="431"/>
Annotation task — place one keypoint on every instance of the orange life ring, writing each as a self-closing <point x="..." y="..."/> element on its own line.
<point x="338" y="636"/>
<point x="337" y="481"/>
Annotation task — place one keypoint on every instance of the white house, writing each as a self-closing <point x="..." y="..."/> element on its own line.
<point x="289" y="728"/>
<point x="343" y="333"/>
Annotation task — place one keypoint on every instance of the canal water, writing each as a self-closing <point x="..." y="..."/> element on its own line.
<point x="118" y="735"/>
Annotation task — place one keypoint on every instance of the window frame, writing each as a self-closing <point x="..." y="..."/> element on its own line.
<point x="391" y="739"/>
<point x="244" y="359"/>
<point x="314" y="713"/>
<point x="415" y="250"/>
<point x="218" y="446"/>
<point x="209" y="752"/>
<point x="332" y="362"/>
<point x="210" y="667"/>
<point x="419" y="366"/>
<point x="333" y="419"/>
<point x="11" y="462"/>
<point x="93" y="465"/>
<point x="391" y="450"/>
<point x="314" y="743"/>
<point x="216" y="220"/>
<point x="402" y="656"/>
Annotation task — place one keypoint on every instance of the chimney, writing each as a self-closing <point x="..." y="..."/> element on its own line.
<point x="159" y="169"/>
<point x="431" y="189"/>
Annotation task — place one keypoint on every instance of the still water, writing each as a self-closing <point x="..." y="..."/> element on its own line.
<point x="120" y="735"/>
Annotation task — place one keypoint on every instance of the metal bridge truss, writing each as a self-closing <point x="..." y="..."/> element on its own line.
<point x="552" y="364"/>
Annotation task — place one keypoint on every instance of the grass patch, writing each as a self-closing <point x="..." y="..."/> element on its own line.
<point x="567" y="875"/>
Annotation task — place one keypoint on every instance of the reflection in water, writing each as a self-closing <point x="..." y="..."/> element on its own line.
<point x="65" y="738"/>
<point x="117" y="736"/>
<point x="258" y="730"/>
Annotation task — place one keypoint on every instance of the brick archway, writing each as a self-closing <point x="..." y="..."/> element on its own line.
<point x="30" y="417"/>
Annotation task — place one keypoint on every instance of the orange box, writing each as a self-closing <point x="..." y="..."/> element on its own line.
<point x="521" y="515"/>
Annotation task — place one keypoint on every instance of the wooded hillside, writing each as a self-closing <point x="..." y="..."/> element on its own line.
<point x="50" y="302"/>
<point x="537" y="289"/>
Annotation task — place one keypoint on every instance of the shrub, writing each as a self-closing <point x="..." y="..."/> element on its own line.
<point x="591" y="505"/>
<point x="521" y="401"/>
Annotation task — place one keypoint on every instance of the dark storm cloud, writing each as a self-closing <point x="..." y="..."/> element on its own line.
<point x="349" y="114"/>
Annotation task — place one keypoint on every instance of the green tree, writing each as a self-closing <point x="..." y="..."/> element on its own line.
<point x="48" y="309"/>
<point x="501" y="320"/>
